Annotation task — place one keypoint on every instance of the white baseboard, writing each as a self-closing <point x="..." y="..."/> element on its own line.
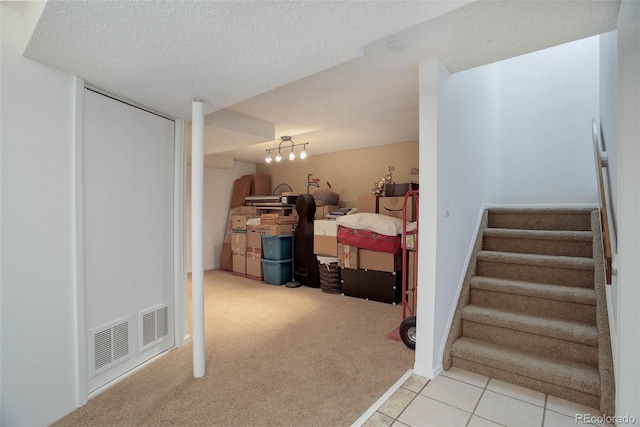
<point x="378" y="403"/>
<point x="207" y="268"/>
<point x="186" y="339"/>
<point x="430" y="372"/>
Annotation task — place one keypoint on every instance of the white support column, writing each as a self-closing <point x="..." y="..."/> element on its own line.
<point x="197" y="257"/>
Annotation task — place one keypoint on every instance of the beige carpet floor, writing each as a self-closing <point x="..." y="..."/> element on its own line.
<point x="275" y="357"/>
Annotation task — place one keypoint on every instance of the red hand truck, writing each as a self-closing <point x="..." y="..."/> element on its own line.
<point x="409" y="279"/>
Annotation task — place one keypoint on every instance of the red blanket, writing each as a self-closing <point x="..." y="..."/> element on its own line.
<point x="365" y="239"/>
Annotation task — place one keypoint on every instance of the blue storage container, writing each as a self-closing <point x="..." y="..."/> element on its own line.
<point x="277" y="248"/>
<point x="277" y="272"/>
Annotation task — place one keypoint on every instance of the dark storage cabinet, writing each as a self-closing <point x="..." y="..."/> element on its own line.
<point x="374" y="285"/>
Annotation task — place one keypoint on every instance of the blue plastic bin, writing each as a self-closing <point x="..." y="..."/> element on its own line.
<point x="277" y="272"/>
<point x="277" y="248"/>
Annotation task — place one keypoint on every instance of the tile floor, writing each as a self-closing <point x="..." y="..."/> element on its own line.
<point x="458" y="398"/>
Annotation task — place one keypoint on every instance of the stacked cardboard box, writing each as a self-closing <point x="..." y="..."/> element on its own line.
<point x="323" y="211"/>
<point x="277" y="219"/>
<point x="355" y="258"/>
<point x="239" y="239"/>
<point x="390" y="206"/>
<point x="325" y="237"/>
<point x="372" y="274"/>
<point x="254" y="253"/>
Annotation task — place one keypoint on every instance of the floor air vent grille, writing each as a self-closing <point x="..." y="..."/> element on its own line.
<point x="154" y="323"/>
<point x="110" y="345"/>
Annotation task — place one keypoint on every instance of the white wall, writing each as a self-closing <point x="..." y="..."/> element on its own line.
<point x="547" y="101"/>
<point x="628" y="369"/>
<point x="609" y="134"/>
<point x="462" y="133"/>
<point x="38" y="328"/>
<point x="468" y="166"/>
<point x="218" y="186"/>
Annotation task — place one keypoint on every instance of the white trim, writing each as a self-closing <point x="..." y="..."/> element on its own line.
<point x="428" y="371"/>
<point x="126" y="101"/>
<point x="378" y="403"/>
<point x="452" y="313"/>
<point x="180" y="307"/>
<point x="542" y="205"/>
<point x="127" y="374"/>
<point x="612" y="328"/>
<point x="82" y="379"/>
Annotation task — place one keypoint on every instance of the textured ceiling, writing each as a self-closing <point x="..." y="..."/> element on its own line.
<point x="319" y="71"/>
<point x="162" y="54"/>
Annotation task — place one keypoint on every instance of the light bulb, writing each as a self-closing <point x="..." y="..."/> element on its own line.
<point x="292" y="155"/>
<point x="278" y="157"/>
<point x="303" y="155"/>
<point x="268" y="159"/>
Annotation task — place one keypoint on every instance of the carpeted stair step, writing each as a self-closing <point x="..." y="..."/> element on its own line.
<point x="541" y="299"/>
<point x="577" y="219"/>
<point x="543" y="242"/>
<point x="569" y="380"/>
<point x="544" y="327"/>
<point x="556" y="270"/>
<point x="535" y="344"/>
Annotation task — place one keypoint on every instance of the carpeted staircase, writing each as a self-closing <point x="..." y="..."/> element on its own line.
<point x="532" y="309"/>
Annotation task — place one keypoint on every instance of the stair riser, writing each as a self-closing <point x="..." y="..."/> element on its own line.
<point x="533" y="273"/>
<point x="536" y="344"/>
<point x="578" y="222"/>
<point x="538" y="306"/>
<point x="538" y="246"/>
<point x="585" y="399"/>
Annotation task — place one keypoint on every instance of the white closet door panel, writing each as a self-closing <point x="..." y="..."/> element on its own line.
<point x="154" y="215"/>
<point x="109" y="209"/>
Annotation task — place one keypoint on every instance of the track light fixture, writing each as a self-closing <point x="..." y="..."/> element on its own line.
<point x="292" y="154"/>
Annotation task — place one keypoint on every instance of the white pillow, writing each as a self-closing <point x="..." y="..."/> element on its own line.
<point x="381" y="224"/>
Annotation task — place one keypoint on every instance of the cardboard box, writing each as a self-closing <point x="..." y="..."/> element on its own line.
<point x="240" y="264"/>
<point x="325" y="227"/>
<point x="379" y="261"/>
<point x="278" y="219"/>
<point x="399" y="190"/>
<point x="239" y="222"/>
<point x="347" y="256"/>
<point x="325" y="237"/>
<point x="254" y="238"/>
<point x="323" y="211"/>
<point x="247" y="210"/>
<point x="274" y="230"/>
<point x="373" y="285"/>
<point x="325" y="245"/>
<point x="238" y="242"/>
<point x="392" y="206"/>
<point x="254" y="264"/>
<point x="367" y="204"/>
<point x="261" y="185"/>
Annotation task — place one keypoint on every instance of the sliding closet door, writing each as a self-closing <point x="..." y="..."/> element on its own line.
<point x="128" y="236"/>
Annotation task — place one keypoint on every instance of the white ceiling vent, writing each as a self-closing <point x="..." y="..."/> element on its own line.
<point x="154" y="326"/>
<point x="395" y="46"/>
<point x="109" y="346"/>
